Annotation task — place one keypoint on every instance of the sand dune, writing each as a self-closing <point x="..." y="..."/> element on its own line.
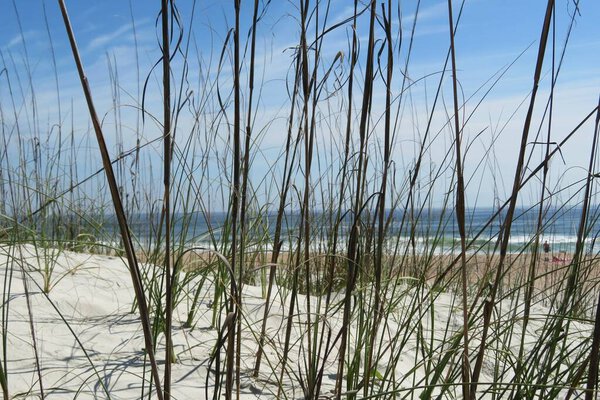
<point x="93" y="297"/>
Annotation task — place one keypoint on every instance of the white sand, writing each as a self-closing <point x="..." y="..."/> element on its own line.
<point x="94" y="295"/>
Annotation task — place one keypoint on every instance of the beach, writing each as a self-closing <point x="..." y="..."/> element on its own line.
<point x="89" y="338"/>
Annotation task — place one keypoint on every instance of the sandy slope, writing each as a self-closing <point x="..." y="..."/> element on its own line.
<point x="94" y="295"/>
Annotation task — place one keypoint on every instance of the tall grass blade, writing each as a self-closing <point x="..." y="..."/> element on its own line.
<point x="592" y="380"/>
<point x="118" y="206"/>
<point x="460" y="210"/>
<point x="518" y="179"/>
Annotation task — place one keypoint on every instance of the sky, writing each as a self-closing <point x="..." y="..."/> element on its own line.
<point x="119" y="44"/>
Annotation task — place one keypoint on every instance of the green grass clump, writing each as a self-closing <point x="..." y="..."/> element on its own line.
<point x="350" y="259"/>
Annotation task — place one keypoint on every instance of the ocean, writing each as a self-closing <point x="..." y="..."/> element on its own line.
<point x="429" y="230"/>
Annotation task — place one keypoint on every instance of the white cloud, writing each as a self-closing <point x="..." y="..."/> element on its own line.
<point x="123" y="34"/>
<point x="428" y="13"/>
<point x="18" y="40"/>
<point x="14" y="41"/>
<point x="104" y="39"/>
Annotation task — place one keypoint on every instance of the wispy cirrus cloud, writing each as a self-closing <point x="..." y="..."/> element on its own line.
<point x="18" y="39"/>
<point x="434" y="11"/>
<point x="123" y="34"/>
<point x="109" y="37"/>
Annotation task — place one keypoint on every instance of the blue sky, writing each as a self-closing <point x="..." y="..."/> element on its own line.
<point x="491" y="34"/>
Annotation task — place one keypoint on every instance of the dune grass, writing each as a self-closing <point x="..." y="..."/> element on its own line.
<point x="339" y="267"/>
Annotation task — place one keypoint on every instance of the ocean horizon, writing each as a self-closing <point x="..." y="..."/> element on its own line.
<point x="431" y="230"/>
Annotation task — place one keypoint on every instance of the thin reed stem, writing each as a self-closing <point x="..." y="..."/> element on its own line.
<point x="167" y="151"/>
<point x="460" y="210"/>
<point x="506" y="227"/>
<point x="119" y="211"/>
<point x="237" y="265"/>
<point x="592" y="379"/>
<point x="353" y="261"/>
